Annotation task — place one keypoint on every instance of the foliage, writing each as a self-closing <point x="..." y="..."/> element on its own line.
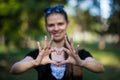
<point x="19" y="19"/>
<point x="88" y="22"/>
<point x="114" y="20"/>
<point x="85" y="19"/>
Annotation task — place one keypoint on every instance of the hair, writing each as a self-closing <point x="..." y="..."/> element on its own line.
<point x="54" y="11"/>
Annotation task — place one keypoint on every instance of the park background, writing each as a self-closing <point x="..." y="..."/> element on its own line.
<point x="94" y="24"/>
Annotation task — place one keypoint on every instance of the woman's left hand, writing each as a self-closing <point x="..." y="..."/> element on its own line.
<point x="72" y="52"/>
<point x="73" y="58"/>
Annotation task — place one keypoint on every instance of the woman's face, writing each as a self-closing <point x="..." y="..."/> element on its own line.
<point x="56" y="26"/>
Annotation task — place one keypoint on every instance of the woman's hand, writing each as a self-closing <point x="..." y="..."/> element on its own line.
<point x="43" y="57"/>
<point x="72" y="52"/>
<point x="88" y="63"/>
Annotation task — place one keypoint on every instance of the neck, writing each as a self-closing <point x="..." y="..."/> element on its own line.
<point x="55" y="55"/>
<point x="58" y="44"/>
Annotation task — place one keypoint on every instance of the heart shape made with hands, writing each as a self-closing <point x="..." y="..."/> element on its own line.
<point x="46" y="51"/>
<point x="59" y="53"/>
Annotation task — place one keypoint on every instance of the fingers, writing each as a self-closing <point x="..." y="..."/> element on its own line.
<point x="54" y="62"/>
<point x="45" y="42"/>
<point x="52" y="50"/>
<point x="39" y="46"/>
<point x="63" y="62"/>
<point x="67" y="43"/>
<point x="50" y="43"/>
<point x="77" y="48"/>
<point x="71" y="43"/>
<point x="66" y="51"/>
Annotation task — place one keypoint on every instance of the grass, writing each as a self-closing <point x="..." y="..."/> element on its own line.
<point x="109" y="57"/>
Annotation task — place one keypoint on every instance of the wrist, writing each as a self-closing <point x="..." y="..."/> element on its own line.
<point x="82" y="63"/>
<point x="34" y="63"/>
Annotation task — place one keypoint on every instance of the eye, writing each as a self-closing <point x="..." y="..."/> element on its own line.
<point x="50" y="25"/>
<point x="60" y="24"/>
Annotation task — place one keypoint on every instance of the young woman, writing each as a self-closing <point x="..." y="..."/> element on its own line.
<point x="57" y="59"/>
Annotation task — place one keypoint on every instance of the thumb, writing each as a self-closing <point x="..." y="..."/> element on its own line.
<point x="53" y="62"/>
<point x="63" y="62"/>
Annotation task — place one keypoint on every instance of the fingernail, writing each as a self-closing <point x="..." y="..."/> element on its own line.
<point x="78" y="45"/>
<point x="37" y="42"/>
<point x="45" y="36"/>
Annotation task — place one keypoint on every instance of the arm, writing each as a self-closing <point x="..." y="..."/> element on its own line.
<point x="88" y="63"/>
<point x="28" y="62"/>
<point x="23" y="65"/>
<point x="91" y="64"/>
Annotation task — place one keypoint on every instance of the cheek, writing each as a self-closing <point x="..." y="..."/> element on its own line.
<point x="64" y="28"/>
<point x="48" y="29"/>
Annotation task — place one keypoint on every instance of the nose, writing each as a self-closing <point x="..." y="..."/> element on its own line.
<point x="56" y="28"/>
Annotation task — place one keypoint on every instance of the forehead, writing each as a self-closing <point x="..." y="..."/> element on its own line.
<point x="55" y="17"/>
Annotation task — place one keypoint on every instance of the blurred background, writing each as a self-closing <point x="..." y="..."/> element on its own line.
<point x="94" y="24"/>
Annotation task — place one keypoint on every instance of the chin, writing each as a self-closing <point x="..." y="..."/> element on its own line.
<point x="58" y="39"/>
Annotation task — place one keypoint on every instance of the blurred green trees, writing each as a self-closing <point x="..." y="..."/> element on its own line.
<point x="96" y="23"/>
<point x="21" y="19"/>
<point x="114" y="20"/>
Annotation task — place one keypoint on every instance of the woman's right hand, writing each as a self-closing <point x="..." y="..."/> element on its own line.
<point x="43" y="56"/>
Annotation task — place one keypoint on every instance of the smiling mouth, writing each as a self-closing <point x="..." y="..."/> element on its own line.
<point x="56" y="34"/>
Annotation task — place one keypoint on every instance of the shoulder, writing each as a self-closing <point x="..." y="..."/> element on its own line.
<point x="84" y="53"/>
<point x="33" y="53"/>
